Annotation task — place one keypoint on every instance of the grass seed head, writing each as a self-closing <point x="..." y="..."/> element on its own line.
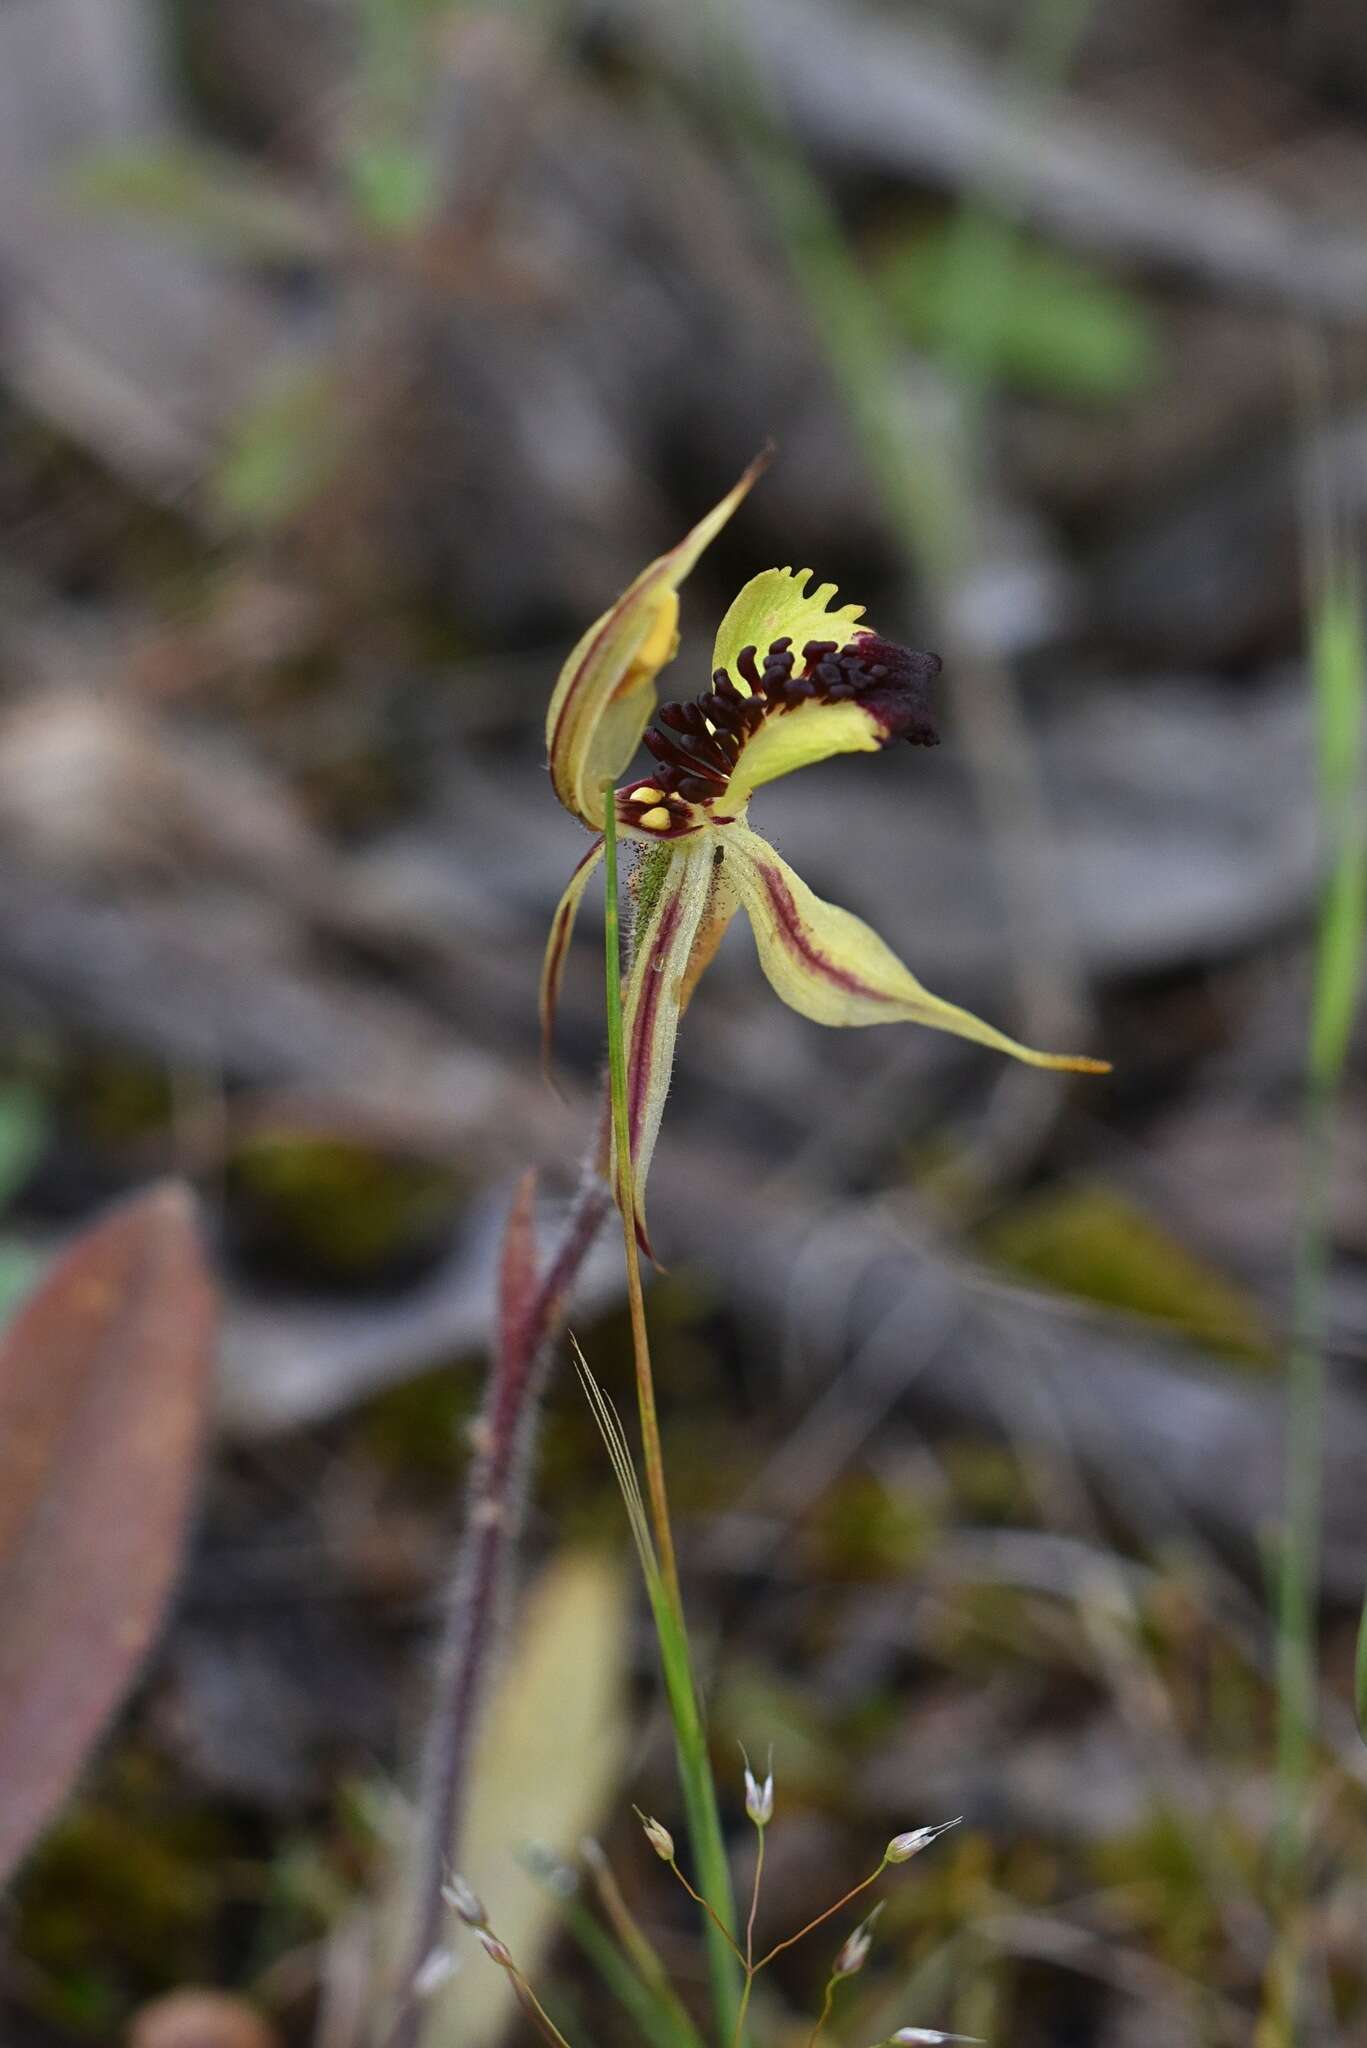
<point x="759" y="1798"/>
<point x="903" y="1847"/>
<point x="439" y="1965"/>
<point x="927" y="2037"/>
<point x="658" y="1836"/>
<point x="855" y="1952"/>
<point x="465" y="1902"/>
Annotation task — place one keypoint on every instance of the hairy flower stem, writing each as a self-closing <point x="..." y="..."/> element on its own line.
<point x="503" y="1439"/>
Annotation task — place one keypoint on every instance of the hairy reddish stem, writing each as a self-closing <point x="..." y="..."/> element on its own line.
<point x="503" y="1437"/>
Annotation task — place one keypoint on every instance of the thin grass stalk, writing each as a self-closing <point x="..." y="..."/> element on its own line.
<point x="635" y="1977"/>
<point x="827" y="2007"/>
<point x="748" y="1985"/>
<point x="1339" y="679"/>
<point x="698" y="1787"/>
<point x="636" y="1946"/>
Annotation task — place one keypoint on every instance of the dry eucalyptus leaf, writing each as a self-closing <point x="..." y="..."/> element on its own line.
<point x="104" y="1377"/>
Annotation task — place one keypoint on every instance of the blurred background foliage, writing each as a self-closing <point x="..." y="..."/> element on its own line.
<point x="353" y="353"/>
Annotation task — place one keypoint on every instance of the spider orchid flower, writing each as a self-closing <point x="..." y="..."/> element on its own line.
<point x="795" y="678"/>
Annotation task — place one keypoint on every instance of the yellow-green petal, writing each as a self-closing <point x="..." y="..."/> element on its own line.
<point x="606" y="691"/>
<point x="775" y="603"/>
<point x="829" y="965"/>
<point x="794" y="739"/>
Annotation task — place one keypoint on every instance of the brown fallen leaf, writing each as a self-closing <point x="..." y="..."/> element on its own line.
<point x="200" y="2019"/>
<point x="104" y="1375"/>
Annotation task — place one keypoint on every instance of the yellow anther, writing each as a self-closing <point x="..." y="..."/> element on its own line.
<point x="647" y="795"/>
<point x="656" y="820"/>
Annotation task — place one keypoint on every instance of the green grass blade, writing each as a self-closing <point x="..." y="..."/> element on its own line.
<point x="1338" y="666"/>
<point x="1339" y="681"/>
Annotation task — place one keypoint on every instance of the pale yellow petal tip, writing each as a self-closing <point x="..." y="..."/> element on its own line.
<point x="755" y="469"/>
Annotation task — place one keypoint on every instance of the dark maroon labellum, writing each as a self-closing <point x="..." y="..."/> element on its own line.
<point x="899" y="690"/>
<point x="697" y="745"/>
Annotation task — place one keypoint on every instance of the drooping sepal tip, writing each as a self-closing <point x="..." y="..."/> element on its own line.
<point x="557" y="951"/>
<point x="829" y="965"/>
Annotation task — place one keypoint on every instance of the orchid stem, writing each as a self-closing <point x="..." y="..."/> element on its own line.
<point x="676" y="1656"/>
<point x="626" y="1203"/>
